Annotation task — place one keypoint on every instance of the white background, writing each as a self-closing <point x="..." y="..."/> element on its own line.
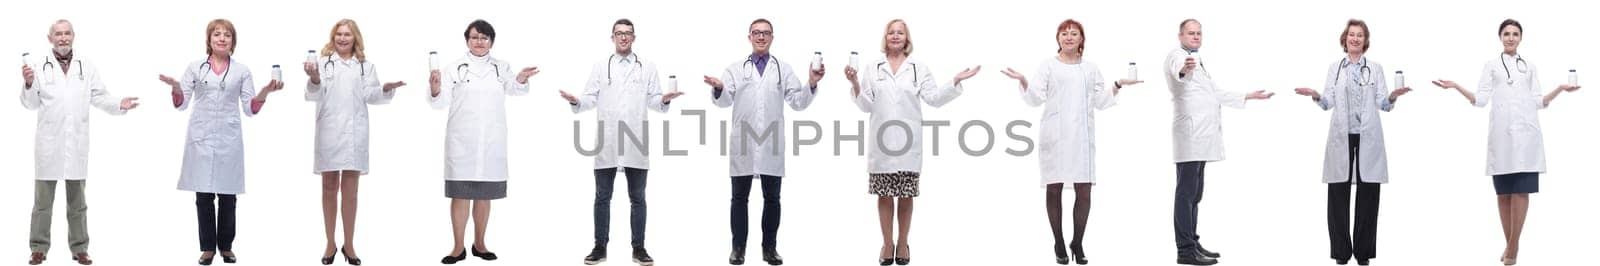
<point x="1263" y="206"/>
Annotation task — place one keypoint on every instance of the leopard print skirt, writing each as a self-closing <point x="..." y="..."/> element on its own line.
<point x="895" y="185"/>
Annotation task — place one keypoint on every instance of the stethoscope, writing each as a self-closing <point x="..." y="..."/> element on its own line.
<point x="752" y="63"/>
<point x="914" y="75"/>
<point x="50" y="63"/>
<point x="329" y="65"/>
<point x="465" y="72"/>
<point x="205" y="68"/>
<point x="1366" y="78"/>
<point x="1522" y="67"/>
<point x="608" y="66"/>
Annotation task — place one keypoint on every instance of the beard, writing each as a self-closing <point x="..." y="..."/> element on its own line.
<point x="63" y="50"/>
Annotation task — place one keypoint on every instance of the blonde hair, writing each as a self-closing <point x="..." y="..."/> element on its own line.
<point x="223" y="24"/>
<point x="358" y="46"/>
<point x="886" y="28"/>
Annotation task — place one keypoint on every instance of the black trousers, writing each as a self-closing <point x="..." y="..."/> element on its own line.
<point x="218" y="221"/>
<point x="1186" y="207"/>
<point x="771" y="210"/>
<point x="1363" y="243"/>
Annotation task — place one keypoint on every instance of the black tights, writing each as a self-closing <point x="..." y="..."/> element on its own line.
<point x="1080" y="216"/>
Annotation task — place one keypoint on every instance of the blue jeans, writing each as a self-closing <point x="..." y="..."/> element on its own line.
<point x="603" y="183"/>
<point x="771" y="210"/>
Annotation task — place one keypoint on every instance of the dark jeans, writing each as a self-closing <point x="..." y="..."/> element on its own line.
<point x="603" y="183"/>
<point x="1186" y="206"/>
<point x="1363" y="244"/>
<point x="217" y="221"/>
<point x="771" y="210"/>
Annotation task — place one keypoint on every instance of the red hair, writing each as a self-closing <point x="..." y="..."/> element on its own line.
<point x="1069" y="24"/>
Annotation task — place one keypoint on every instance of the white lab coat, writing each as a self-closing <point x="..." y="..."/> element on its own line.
<point x="898" y="96"/>
<point x="213" y="151"/>
<point x="1197" y="111"/>
<point x="622" y="87"/>
<point x="1374" y="158"/>
<point x="348" y="86"/>
<point x="61" y="139"/>
<point x="1516" y="142"/>
<point x="1073" y="92"/>
<point x="475" y="90"/>
<point x="757" y="101"/>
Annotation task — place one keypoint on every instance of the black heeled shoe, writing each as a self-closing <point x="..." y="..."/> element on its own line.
<point x="347" y="258"/>
<point x="327" y="260"/>
<point x="887" y="261"/>
<point x="899" y="260"/>
<point x="454" y="259"/>
<point x="1061" y="255"/>
<point x="483" y="255"/>
<point x="1077" y="255"/>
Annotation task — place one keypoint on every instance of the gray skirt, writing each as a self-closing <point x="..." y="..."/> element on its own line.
<point x="474" y="190"/>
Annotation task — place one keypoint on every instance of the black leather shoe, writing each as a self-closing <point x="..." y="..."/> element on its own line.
<point x="1196" y="260"/>
<point x="327" y="260"/>
<point x="454" y="259"/>
<point x="230" y="259"/>
<point x="596" y="256"/>
<point x="348" y="259"/>
<point x="484" y="255"/>
<point x="643" y="258"/>
<point x="736" y="257"/>
<point x="1077" y="255"/>
<point x="1341" y="261"/>
<point x="1208" y="253"/>
<point x="1362" y="262"/>
<point x="772" y="258"/>
<point x="1061" y="254"/>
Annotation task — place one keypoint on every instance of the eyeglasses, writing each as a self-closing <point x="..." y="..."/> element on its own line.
<point x="622" y="34"/>
<point x="761" y="33"/>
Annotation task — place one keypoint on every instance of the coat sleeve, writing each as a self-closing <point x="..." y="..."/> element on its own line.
<point x="1330" y="93"/>
<point x="652" y="89"/>
<point x="1038" y="89"/>
<point x="247" y="92"/>
<point x="591" y="90"/>
<point x="1485" y="86"/>
<point x="868" y="94"/>
<point x="1380" y="91"/>
<point x="30" y="96"/>
<point x="799" y="95"/>
<point x="99" y="96"/>
<point x="447" y="87"/>
<point x="186" y="88"/>
<point x="730" y="88"/>
<point x="372" y="87"/>
<point x="314" y="90"/>
<point x="931" y="92"/>
<point x="1101" y="97"/>
<point x="513" y="88"/>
